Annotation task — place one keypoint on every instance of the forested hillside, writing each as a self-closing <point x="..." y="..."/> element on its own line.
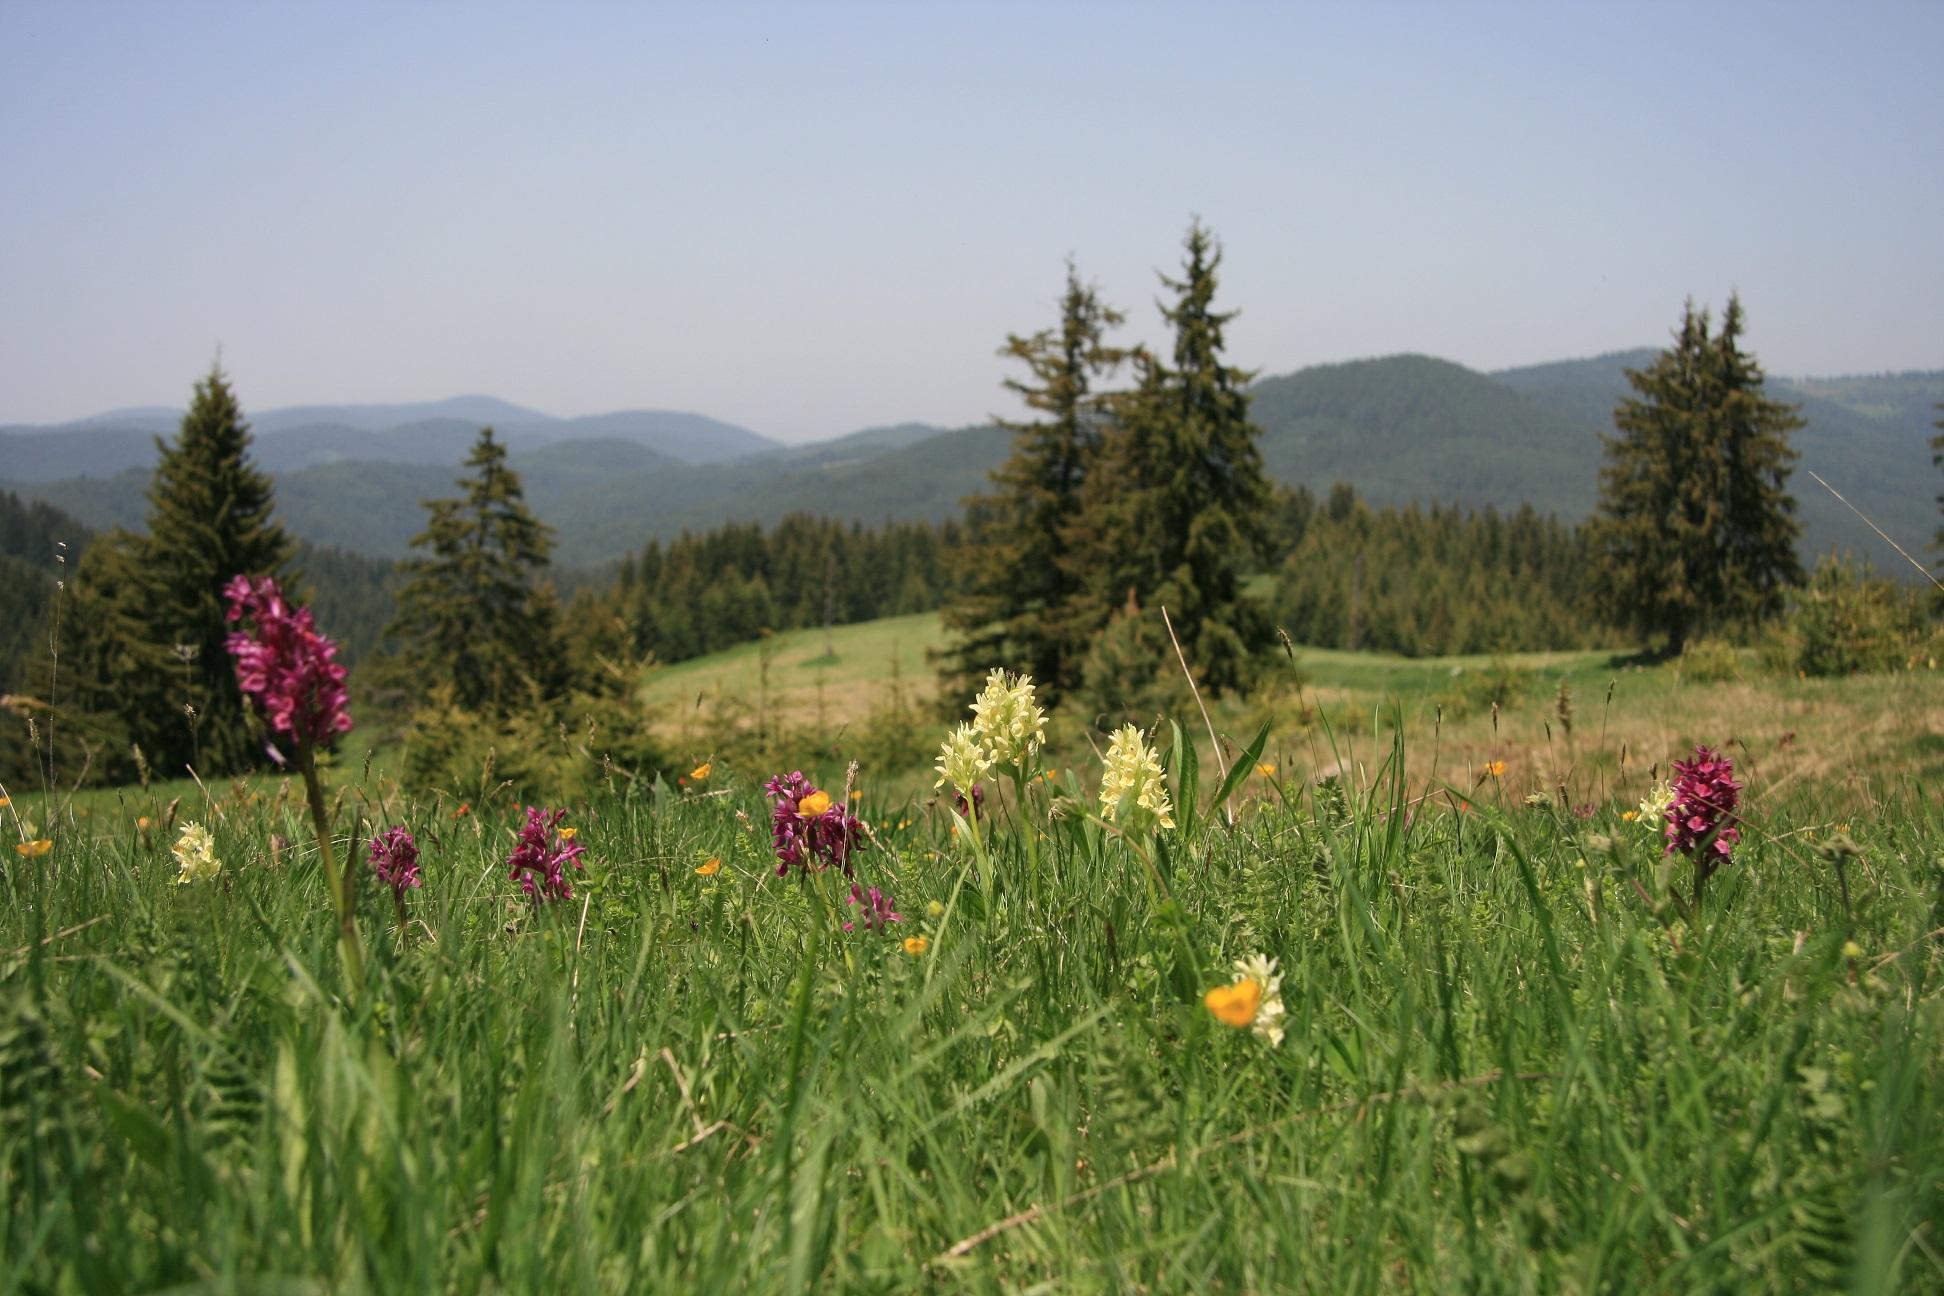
<point x="1400" y="429"/>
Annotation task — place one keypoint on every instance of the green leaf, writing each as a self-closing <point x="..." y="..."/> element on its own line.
<point x="1239" y="771"/>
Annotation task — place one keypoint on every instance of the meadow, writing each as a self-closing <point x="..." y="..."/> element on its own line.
<point x="1513" y="1055"/>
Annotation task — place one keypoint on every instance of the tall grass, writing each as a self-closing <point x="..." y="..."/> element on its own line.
<point x="1506" y="1069"/>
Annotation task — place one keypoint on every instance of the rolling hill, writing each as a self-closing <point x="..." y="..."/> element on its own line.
<point x="305" y="436"/>
<point x="1399" y="428"/>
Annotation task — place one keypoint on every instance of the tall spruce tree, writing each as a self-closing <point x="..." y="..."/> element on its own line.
<point x="1181" y="507"/>
<point x="209" y="520"/>
<point x="470" y="615"/>
<point x="1696" y="527"/>
<point x="1021" y="607"/>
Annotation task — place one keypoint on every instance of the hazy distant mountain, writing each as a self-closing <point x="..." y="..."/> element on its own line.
<point x="476" y="410"/>
<point x="311" y="435"/>
<point x="1400" y="428"/>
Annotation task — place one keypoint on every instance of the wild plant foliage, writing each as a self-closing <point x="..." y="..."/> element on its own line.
<point x="756" y="1031"/>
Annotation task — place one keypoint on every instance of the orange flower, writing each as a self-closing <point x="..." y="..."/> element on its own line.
<point x="710" y="869"/>
<point x="1495" y="769"/>
<point x="1235" y="1005"/>
<point x="34" y="849"/>
<point x="916" y="945"/>
<point x="856" y="793"/>
<point x="701" y="772"/>
<point x="815" y="804"/>
<point x="568" y="834"/>
<point x="465" y="808"/>
<point x="1267" y="769"/>
<point x="5" y="802"/>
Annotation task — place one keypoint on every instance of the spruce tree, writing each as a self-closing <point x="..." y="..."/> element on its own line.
<point x="470" y="616"/>
<point x="1181" y="509"/>
<point x="1020" y="609"/>
<point x="1937" y="460"/>
<point x="1696" y="528"/>
<point x="209" y="520"/>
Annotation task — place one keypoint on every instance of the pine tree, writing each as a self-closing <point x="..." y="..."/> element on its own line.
<point x="209" y="520"/>
<point x="469" y="615"/>
<point x="1182" y="507"/>
<point x="1937" y="460"/>
<point x="1696" y="528"/>
<point x="1020" y="608"/>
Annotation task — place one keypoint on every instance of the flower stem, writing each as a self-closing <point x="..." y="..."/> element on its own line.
<point x="338" y="884"/>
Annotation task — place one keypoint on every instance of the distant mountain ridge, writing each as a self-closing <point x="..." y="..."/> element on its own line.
<point x="303" y="436"/>
<point x="1399" y="428"/>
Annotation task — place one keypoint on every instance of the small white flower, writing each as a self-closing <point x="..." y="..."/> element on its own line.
<point x="195" y="851"/>
<point x="962" y="761"/>
<point x="1253" y="1000"/>
<point x="1268" y="1018"/>
<point x="1008" y="719"/>
<point x="1653" y="806"/>
<point x="1132" y="779"/>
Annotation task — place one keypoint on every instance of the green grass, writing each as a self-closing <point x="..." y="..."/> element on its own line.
<point x="843" y="672"/>
<point x="1503" y="1070"/>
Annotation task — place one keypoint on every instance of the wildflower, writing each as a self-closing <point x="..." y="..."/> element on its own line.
<point x="1701" y="812"/>
<point x="916" y="945"/>
<point x="5" y="802"/>
<point x="934" y="910"/>
<point x="143" y="823"/>
<point x="1132" y="779"/>
<point x="568" y="834"/>
<point x="1494" y="769"/>
<point x="1007" y="720"/>
<point x="962" y="759"/>
<point x="285" y="666"/>
<point x="394" y="857"/>
<point x="1267" y="769"/>
<point x="700" y="773"/>
<point x="806" y="829"/>
<point x="465" y="808"/>
<point x="539" y="862"/>
<point x="857" y="794"/>
<point x="1851" y="950"/>
<point x="965" y="807"/>
<point x="874" y="909"/>
<point x="709" y="869"/>
<point x="1652" y="810"/>
<point x="34" y="849"/>
<point x="1629" y="815"/>
<point x="1253" y="999"/>
<point x="195" y="851"/>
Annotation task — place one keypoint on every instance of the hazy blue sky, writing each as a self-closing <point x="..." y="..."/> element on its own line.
<point x="810" y="218"/>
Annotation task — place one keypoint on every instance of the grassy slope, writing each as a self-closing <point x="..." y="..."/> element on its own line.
<point x="1501" y="1073"/>
<point x="1851" y="738"/>
<point x="856" y="668"/>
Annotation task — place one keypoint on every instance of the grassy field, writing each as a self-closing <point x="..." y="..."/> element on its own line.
<point x="1513" y="1061"/>
<point x="1852" y="741"/>
<point x="813" y="678"/>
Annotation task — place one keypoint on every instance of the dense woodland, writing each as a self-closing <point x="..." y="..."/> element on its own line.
<point x="1432" y="581"/>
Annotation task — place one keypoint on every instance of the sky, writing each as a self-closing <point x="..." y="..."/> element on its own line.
<point x="812" y="218"/>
